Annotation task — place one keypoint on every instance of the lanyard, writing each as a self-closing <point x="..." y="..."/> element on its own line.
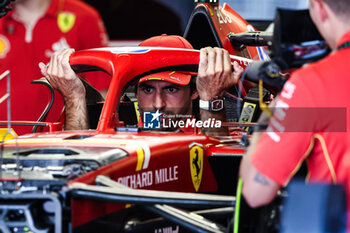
<point x="344" y="45"/>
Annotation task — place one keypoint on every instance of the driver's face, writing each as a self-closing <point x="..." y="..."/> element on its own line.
<point x="168" y="98"/>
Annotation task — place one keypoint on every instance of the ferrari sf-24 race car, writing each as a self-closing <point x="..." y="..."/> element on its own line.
<point x="118" y="177"/>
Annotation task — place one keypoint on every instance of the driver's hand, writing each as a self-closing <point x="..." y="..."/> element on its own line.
<point x="61" y="76"/>
<point x="215" y="74"/>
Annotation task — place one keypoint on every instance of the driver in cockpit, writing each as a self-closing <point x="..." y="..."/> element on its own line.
<point x="167" y="92"/>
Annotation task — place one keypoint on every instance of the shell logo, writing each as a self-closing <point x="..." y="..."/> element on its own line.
<point x="4" y="46"/>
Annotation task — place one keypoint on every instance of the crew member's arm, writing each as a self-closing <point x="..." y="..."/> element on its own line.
<point x="62" y="77"/>
<point x="215" y="76"/>
<point x="275" y="155"/>
<point x="257" y="189"/>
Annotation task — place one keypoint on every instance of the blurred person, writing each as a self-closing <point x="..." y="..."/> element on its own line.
<point x="323" y="138"/>
<point x="31" y="33"/>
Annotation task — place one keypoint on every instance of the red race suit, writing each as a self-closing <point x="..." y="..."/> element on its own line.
<point x="310" y="123"/>
<point x="66" y="23"/>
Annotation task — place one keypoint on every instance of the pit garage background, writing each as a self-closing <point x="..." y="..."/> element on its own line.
<point x="135" y="20"/>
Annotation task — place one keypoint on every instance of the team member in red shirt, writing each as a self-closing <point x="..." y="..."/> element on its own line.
<point x="322" y="139"/>
<point x="31" y="33"/>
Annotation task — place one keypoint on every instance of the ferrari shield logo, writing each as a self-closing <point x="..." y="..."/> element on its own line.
<point x="4" y="46"/>
<point x="196" y="164"/>
<point x="66" y="21"/>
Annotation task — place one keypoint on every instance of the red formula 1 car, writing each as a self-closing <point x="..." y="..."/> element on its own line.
<point x="121" y="178"/>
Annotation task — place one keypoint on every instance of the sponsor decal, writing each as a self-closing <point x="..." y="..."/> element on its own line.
<point x="136" y="106"/>
<point x="196" y="166"/>
<point x="59" y="45"/>
<point x="143" y="154"/>
<point x="165" y="175"/>
<point x="66" y="21"/>
<point x="288" y="90"/>
<point x="129" y="50"/>
<point x="168" y="229"/>
<point x="4" y="46"/>
<point x="223" y="18"/>
<point x="247" y="113"/>
<point x="149" y="178"/>
<point x="280" y="110"/>
<point x="273" y="135"/>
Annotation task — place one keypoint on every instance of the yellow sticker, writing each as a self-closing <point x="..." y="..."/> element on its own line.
<point x="140" y="158"/>
<point x="136" y="106"/>
<point x="4" y="46"/>
<point x="196" y="164"/>
<point x="5" y="135"/>
<point x="247" y="114"/>
<point x="66" y="21"/>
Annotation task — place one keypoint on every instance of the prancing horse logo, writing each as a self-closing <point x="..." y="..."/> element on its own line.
<point x="196" y="164"/>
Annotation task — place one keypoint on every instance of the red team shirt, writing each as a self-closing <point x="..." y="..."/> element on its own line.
<point x="311" y="125"/>
<point x="67" y="23"/>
